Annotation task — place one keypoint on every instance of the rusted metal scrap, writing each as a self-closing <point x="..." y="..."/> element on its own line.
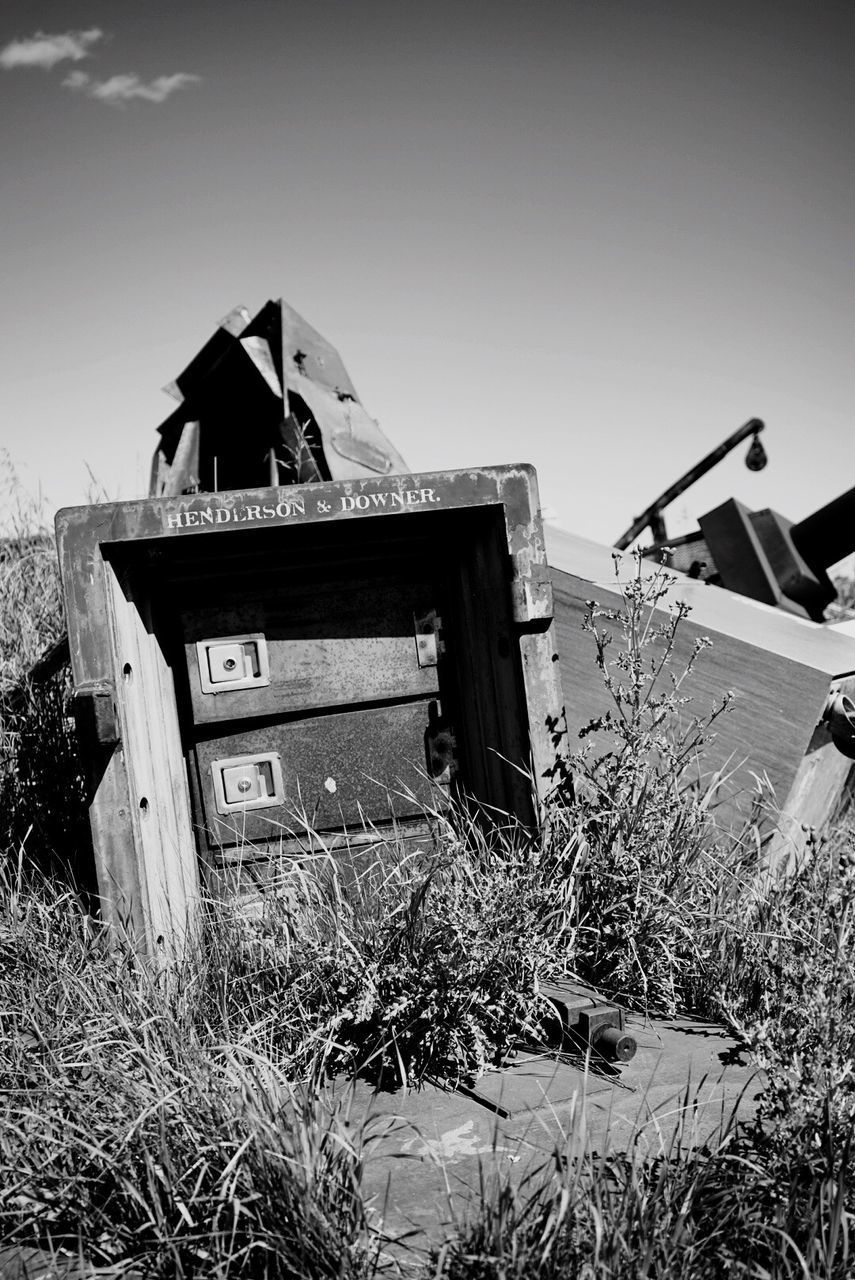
<point x="763" y="555"/>
<point x="652" y="517"/>
<point x="266" y="401"/>
<point x="759" y="554"/>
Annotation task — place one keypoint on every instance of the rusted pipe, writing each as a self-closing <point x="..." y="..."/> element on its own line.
<point x="651" y="515"/>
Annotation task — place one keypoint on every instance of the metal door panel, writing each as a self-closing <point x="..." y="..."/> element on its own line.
<point x="327" y="645"/>
<point x="330" y="765"/>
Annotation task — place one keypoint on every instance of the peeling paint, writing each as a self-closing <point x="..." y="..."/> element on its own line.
<point x="451" y="1146"/>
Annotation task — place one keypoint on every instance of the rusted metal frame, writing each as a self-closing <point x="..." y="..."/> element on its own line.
<point x="239" y="348"/>
<point x="314" y="375"/>
<point x="314" y="397"/>
<point x="91" y="542"/>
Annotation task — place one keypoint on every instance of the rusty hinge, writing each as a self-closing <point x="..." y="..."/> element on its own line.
<point x="429" y="642"/>
<point x="440" y="747"/>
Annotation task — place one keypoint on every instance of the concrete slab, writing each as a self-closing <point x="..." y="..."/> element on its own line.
<point x="531" y="1082"/>
<point x="430" y="1151"/>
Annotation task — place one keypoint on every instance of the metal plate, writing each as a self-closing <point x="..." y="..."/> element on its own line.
<point x="357" y="449"/>
<point x="328" y="644"/>
<point x="339" y="770"/>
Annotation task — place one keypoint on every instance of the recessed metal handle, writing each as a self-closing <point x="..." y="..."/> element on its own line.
<point x="248" y="782"/>
<point x="233" y="662"/>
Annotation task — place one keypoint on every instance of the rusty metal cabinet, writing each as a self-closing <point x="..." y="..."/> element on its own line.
<point x="316" y="666"/>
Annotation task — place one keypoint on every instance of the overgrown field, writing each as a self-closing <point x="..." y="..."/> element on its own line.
<point x="184" y="1128"/>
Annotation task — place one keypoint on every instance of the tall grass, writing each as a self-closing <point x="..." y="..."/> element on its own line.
<point x="773" y="1197"/>
<point x="31" y="614"/>
<point x="688" y="1212"/>
<point x="132" y="1135"/>
<point x="187" y="1130"/>
<point x="42" y="791"/>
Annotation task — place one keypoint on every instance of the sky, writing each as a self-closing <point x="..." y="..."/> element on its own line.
<point x="593" y="235"/>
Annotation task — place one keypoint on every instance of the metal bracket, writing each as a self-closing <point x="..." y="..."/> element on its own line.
<point x="94" y="706"/>
<point x="587" y="1022"/>
<point x="839" y="715"/>
<point x="429" y="643"/>
<point x="440" y="747"/>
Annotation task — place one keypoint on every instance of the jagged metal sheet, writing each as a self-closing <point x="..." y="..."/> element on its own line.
<point x="266" y="401"/>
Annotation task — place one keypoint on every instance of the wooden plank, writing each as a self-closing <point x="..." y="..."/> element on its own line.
<point x="713" y="608"/>
<point x="166" y="869"/>
<point x="395" y="496"/>
<point x="776" y="708"/>
<point x="489" y="695"/>
<point x="264" y="856"/>
<point x="544" y="702"/>
<point x="249" y="878"/>
<point x="117" y="869"/>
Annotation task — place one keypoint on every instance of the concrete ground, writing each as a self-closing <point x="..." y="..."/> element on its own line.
<point x="429" y="1150"/>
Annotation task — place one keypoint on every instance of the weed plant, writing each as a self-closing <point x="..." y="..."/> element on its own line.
<point x="31" y="613"/>
<point x="647" y="870"/>
<point x="410" y="966"/>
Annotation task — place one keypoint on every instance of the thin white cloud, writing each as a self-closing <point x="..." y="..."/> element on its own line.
<point x="45" y="51"/>
<point x="125" y="88"/>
